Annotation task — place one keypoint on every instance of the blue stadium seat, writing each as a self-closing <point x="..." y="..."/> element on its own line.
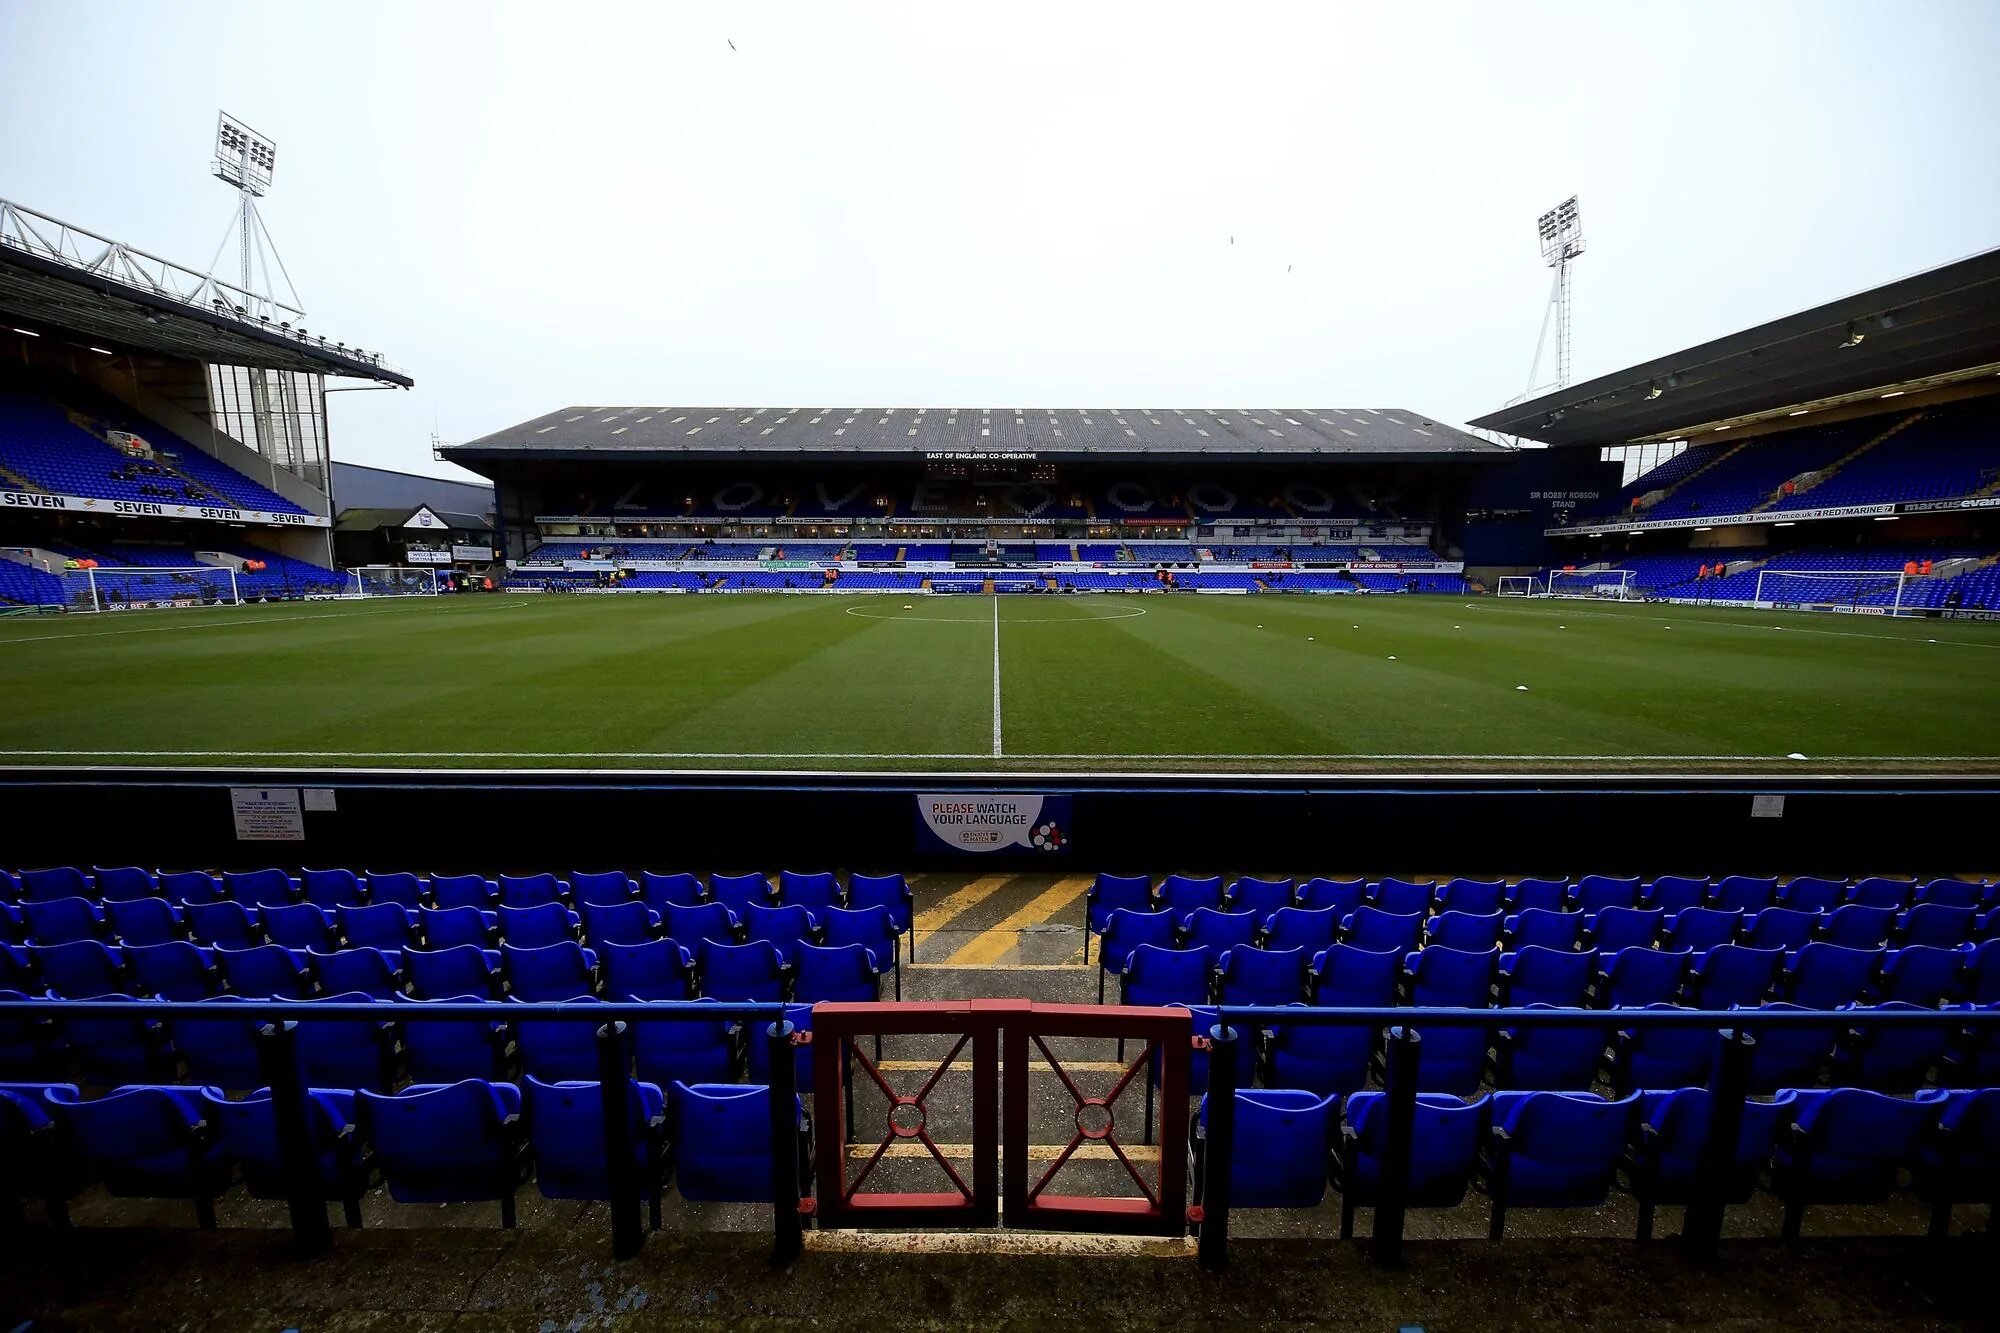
<point x="16" y="973"/>
<point x="1952" y="893"/>
<point x="873" y="928"/>
<point x="1809" y="893"/>
<point x="1552" y="1058"/>
<point x="1858" y="926"/>
<point x="400" y="887"/>
<point x="1464" y="930"/>
<point x="891" y="893"/>
<point x="35" y="1162"/>
<point x="118" y="1050"/>
<point x="221" y="925"/>
<point x="668" y="1051"/>
<point x="1184" y="895"/>
<point x="1124" y="931"/>
<point x="148" y="1142"/>
<point x="1745" y="893"/>
<point x="1673" y="1128"/>
<point x="737" y="892"/>
<point x="1453" y="1058"/>
<point x="450" y="927"/>
<point x="1341" y="895"/>
<point x="40" y="886"/>
<point x="371" y="972"/>
<point x="1313" y="930"/>
<point x="1283" y="1148"/>
<point x="1347" y="976"/>
<point x="330" y="890"/>
<point x="298" y="926"/>
<point x="1158" y="976"/>
<point x="814" y="890"/>
<point x="1654" y="1057"/>
<point x="1540" y="927"/>
<point x="139" y="921"/>
<point x="347" y="1052"/>
<point x="440" y="1050"/>
<point x="1982" y="972"/>
<point x="265" y="972"/>
<point x="434" y="974"/>
<point x="657" y="889"/>
<point x="80" y="969"/>
<point x="1941" y="925"/>
<point x="1789" y="1057"/>
<point x="1898" y="1060"/>
<point x="189" y="886"/>
<point x="657" y="970"/>
<point x="1322" y="1059"/>
<point x="1535" y="975"/>
<point x="1375" y="930"/>
<point x="1733" y="975"/>
<point x="722" y="1141"/>
<point x="1826" y="976"/>
<point x="249" y="1130"/>
<point x="566" y="1136"/>
<point x="752" y="972"/>
<point x="120" y="884"/>
<point x="1535" y="894"/>
<point x="602" y="888"/>
<point x="628" y="922"/>
<point x="61" y="920"/>
<point x="551" y="972"/>
<point x="387" y="926"/>
<point x="175" y="970"/>
<point x="1880" y="891"/>
<point x="461" y="891"/>
<point x="1700" y="929"/>
<point x="1614" y="928"/>
<point x="221" y="1050"/>
<point x="536" y="927"/>
<point x="1594" y="893"/>
<point x="1481" y="897"/>
<point x="786" y="928"/>
<point x="449" y="1143"/>
<point x="1553" y="1150"/>
<point x="259" y="888"/>
<point x="1974" y="1061"/>
<point x="1444" y="1149"/>
<point x="1260" y="897"/>
<point x="537" y="890"/>
<point x="27" y="1050"/>
<point x="847" y="973"/>
<point x="1674" y="894"/>
<point x="1959" y="1161"/>
<point x="1846" y="1145"/>
<point x="1252" y="976"/>
<point x="1205" y="928"/>
<point x="552" y="1049"/>
<point x="1402" y="897"/>
<point x="692" y="925"/>
<point x="1780" y="928"/>
<point x="1921" y="974"/>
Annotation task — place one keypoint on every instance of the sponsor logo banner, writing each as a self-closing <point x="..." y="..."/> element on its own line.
<point x="78" y="504"/>
<point x="1936" y="506"/>
<point x="480" y="553"/>
<point x="1725" y="520"/>
<point x="993" y="821"/>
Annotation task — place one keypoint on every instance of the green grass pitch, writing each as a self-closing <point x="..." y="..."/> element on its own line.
<point x="1178" y="683"/>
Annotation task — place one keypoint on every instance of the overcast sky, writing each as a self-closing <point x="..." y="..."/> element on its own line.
<point x="528" y="206"/>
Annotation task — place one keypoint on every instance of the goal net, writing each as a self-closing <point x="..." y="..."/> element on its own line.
<point x="391" y="581"/>
<point x="1519" y="585"/>
<point x="141" y="587"/>
<point x="1611" y="584"/>
<point x="1885" y="592"/>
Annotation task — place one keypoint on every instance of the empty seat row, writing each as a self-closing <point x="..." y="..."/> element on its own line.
<point x="1568" y="1150"/>
<point x="461" y="1142"/>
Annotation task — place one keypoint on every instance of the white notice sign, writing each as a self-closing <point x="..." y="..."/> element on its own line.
<point x="1767" y="807"/>
<point x="267" y="814"/>
<point x="319" y="798"/>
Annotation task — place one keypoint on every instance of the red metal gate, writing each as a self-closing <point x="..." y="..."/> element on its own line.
<point x="1025" y="1031"/>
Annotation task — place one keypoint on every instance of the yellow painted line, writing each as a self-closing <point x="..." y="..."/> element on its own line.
<point x="1037" y="1066"/>
<point x="1076" y="966"/>
<point x="992" y="945"/>
<point x="934" y="917"/>
<point x="1037" y="1152"/>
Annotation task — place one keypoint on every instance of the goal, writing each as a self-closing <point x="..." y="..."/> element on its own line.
<point x="1880" y="592"/>
<point x="1520" y="585"/>
<point x="143" y="587"/>
<point x="391" y="581"/>
<point x="1611" y="584"/>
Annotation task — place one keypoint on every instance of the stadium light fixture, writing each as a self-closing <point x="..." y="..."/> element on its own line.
<point x="1801" y="412"/>
<point x="243" y="157"/>
<point x="102" y="351"/>
<point x="1894" y="393"/>
<point x="1653" y="391"/>
<point x="27" y="333"/>
<point x="1560" y="231"/>
<point x="1854" y="336"/>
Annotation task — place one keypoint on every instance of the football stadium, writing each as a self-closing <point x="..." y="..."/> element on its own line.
<point x="1073" y="865"/>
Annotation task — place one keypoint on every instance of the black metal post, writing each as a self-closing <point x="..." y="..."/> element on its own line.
<point x="621" y="1170"/>
<point x="1392" y="1190"/>
<point x="790" y="1237"/>
<point x="278" y="1059"/>
<point x="1218" y="1148"/>
<point x="1728" y="1087"/>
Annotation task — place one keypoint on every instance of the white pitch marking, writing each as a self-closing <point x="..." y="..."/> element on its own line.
<point x="835" y="754"/>
<point x="221" y="624"/>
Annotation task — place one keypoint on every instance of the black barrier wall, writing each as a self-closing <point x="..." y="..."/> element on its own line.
<point x="501" y="821"/>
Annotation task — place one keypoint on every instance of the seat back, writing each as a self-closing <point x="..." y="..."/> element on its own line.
<point x="722" y="1138"/>
<point x="175" y="970"/>
<point x="1374" y="929"/>
<point x="139" y="921"/>
<point x="370" y="972"/>
<point x="1280" y="1148"/>
<point x="1701" y="928"/>
<point x="1340" y="895"/>
<point x="1535" y="975"/>
<point x="1183" y="895"/>
<point x="1444" y="1146"/>
<point x="814" y="890"/>
<point x="538" y="890"/>
<point x="463" y="891"/>
<point x="1537" y="894"/>
<point x="709" y="921"/>
<point x="1745" y="893"/>
<point x="1347" y="976"/>
<point x="1477" y="896"/>
<point x="1858" y="926"/>
<point x="258" y="888"/>
<point x="1205" y="928"/>
<point x="566" y="1134"/>
<point x="656" y="970"/>
<point x="1453" y="978"/>
<point x="265" y="972"/>
<point x="601" y="888"/>
<point x="1123" y="931"/>
<point x="1311" y="929"/>
<point x="1159" y="976"/>
<point x="1735" y="975"/>
<point x="399" y="887"/>
<point x="627" y="922"/>
<point x="886" y="891"/>
<point x="297" y="926"/>
<point x="1673" y="894"/>
<point x="551" y="972"/>
<point x="330" y="889"/>
<point x="1465" y="930"/>
<point x="751" y="972"/>
<point x="739" y="891"/>
<point x="460" y="970"/>
<point x="1826" y="976"/>
<point x="441" y="1143"/>
<point x="1248" y="975"/>
<point x="657" y="889"/>
<point x="1262" y="897"/>
<point x="1563" y="1148"/>
<point x="537" y="926"/>
<point x="1403" y="897"/>
<point x="846" y="972"/>
<point x="443" y="1050"/>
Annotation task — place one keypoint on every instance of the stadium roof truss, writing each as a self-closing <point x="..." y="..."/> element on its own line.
<point x="1929" y="330"/>
<point x="62" y="277"/>
<point x="971" y="434"/>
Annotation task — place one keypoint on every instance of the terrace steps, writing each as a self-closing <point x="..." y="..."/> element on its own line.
<point x="1823" y="474"/>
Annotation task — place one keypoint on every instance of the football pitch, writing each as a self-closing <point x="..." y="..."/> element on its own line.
<point x="1334" y="684"/>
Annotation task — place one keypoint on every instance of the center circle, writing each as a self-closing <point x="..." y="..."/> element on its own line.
<point x="1094" y="1120"/>
<point x="906" y="1118"/>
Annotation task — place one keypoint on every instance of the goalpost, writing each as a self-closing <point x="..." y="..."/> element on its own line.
<point x="391" y="581"/>
<point x="1888" y="592"/>
<point x="142" y="587"/>
<point x="1611" y="584"/>
<point x="1519" y="585"/>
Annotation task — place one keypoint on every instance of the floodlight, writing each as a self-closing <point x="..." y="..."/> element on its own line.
<point x="243" y="157"/>
<point x="1854" y="336"/>
<point x="1561" y="232"/>
<point x="1653" y="391"/>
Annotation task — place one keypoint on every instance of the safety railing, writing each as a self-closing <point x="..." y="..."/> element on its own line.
<point x="1729" y="1086"/>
